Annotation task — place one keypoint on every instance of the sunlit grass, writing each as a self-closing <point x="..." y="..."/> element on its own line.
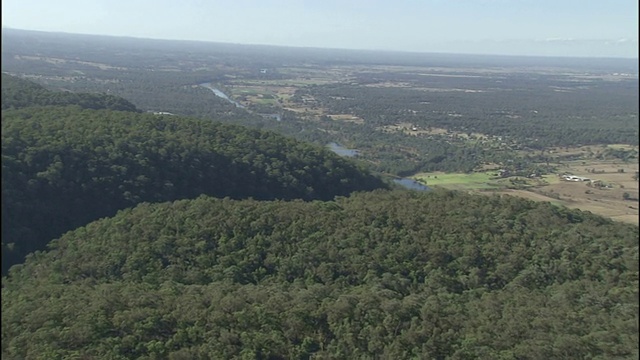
<point x="487" y="180"/>
<point x="459" y="181"/>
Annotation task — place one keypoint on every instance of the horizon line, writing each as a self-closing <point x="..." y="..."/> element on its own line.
<point x="415" y="52"/>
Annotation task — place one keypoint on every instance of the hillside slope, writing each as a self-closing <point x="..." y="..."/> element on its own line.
<point x="64" y="166"/>
<point x="395" y="275"/>
<point x="19" y="93"/>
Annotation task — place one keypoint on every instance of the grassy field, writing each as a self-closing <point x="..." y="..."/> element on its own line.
<point x="616" y="197"/>
<point x="614" y="200"/>
<point x="460" y="181"/>
<point x="608" y="200"/>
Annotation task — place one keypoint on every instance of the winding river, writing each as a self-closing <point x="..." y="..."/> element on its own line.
<point x="405" y="182"/>
<point x="220" y="94"/>
<point x="341" y="150"/>
<point x="335" y="147"/>
<point x="411" y="184"/>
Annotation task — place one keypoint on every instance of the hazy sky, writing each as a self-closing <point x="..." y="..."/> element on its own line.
<point x="606" y="28"/>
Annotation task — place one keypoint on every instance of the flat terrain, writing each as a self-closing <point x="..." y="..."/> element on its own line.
<point x="607" y="200"/>
<point x="404" y="113"/>
<point x="612" y="191"/>
<point x="457" y="181"/>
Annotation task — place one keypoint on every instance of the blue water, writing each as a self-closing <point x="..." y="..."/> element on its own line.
<point x="341" y="150"/>
<point x="411" y="184"/>
<point x="221" y="94"/>
<point x="406" y="182"/>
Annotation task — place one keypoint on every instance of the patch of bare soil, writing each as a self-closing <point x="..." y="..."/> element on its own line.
<point x="611" y="190"/>
<point x="601" y="204"/>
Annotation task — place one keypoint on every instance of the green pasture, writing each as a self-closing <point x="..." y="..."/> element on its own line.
<point x="557" y="204"/>
<point x="288" y="82"/>
<point x="247" y="91"/>
<point x="300" y="82"/>
<point x="459" y="181"/>
<point x="479" y="181"/>
<point x="551" y="179"/>
<point x="265" y="101"/>
<point x="268" y="97"/>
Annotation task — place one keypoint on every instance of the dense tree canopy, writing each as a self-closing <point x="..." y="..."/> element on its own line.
<point x="63" y="167"/>
<point x="176" y="238"/>
<point x="518" y="103"/>
<point x="399" y="275"/>
<point x="19" y="93"/>
<point x="605" y="114"/>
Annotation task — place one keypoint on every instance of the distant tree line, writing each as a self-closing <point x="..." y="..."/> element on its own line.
<point x="19" y="93"/>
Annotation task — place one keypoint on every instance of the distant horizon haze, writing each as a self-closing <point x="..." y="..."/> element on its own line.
<point x="481" y="48"/>
<point x="567" y="28"/>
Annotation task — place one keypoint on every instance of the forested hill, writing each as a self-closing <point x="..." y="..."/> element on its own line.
<point x="19" y="93"/>
<point x="64" y="166"/>
<point x="392" y="275"/>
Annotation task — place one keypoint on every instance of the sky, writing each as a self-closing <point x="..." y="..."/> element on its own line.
<point x="584" y="28"/>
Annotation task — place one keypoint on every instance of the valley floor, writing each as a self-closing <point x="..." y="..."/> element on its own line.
<point x="612" y="191"/>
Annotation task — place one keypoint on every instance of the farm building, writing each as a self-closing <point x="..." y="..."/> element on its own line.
<point x="574" y="178"/>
